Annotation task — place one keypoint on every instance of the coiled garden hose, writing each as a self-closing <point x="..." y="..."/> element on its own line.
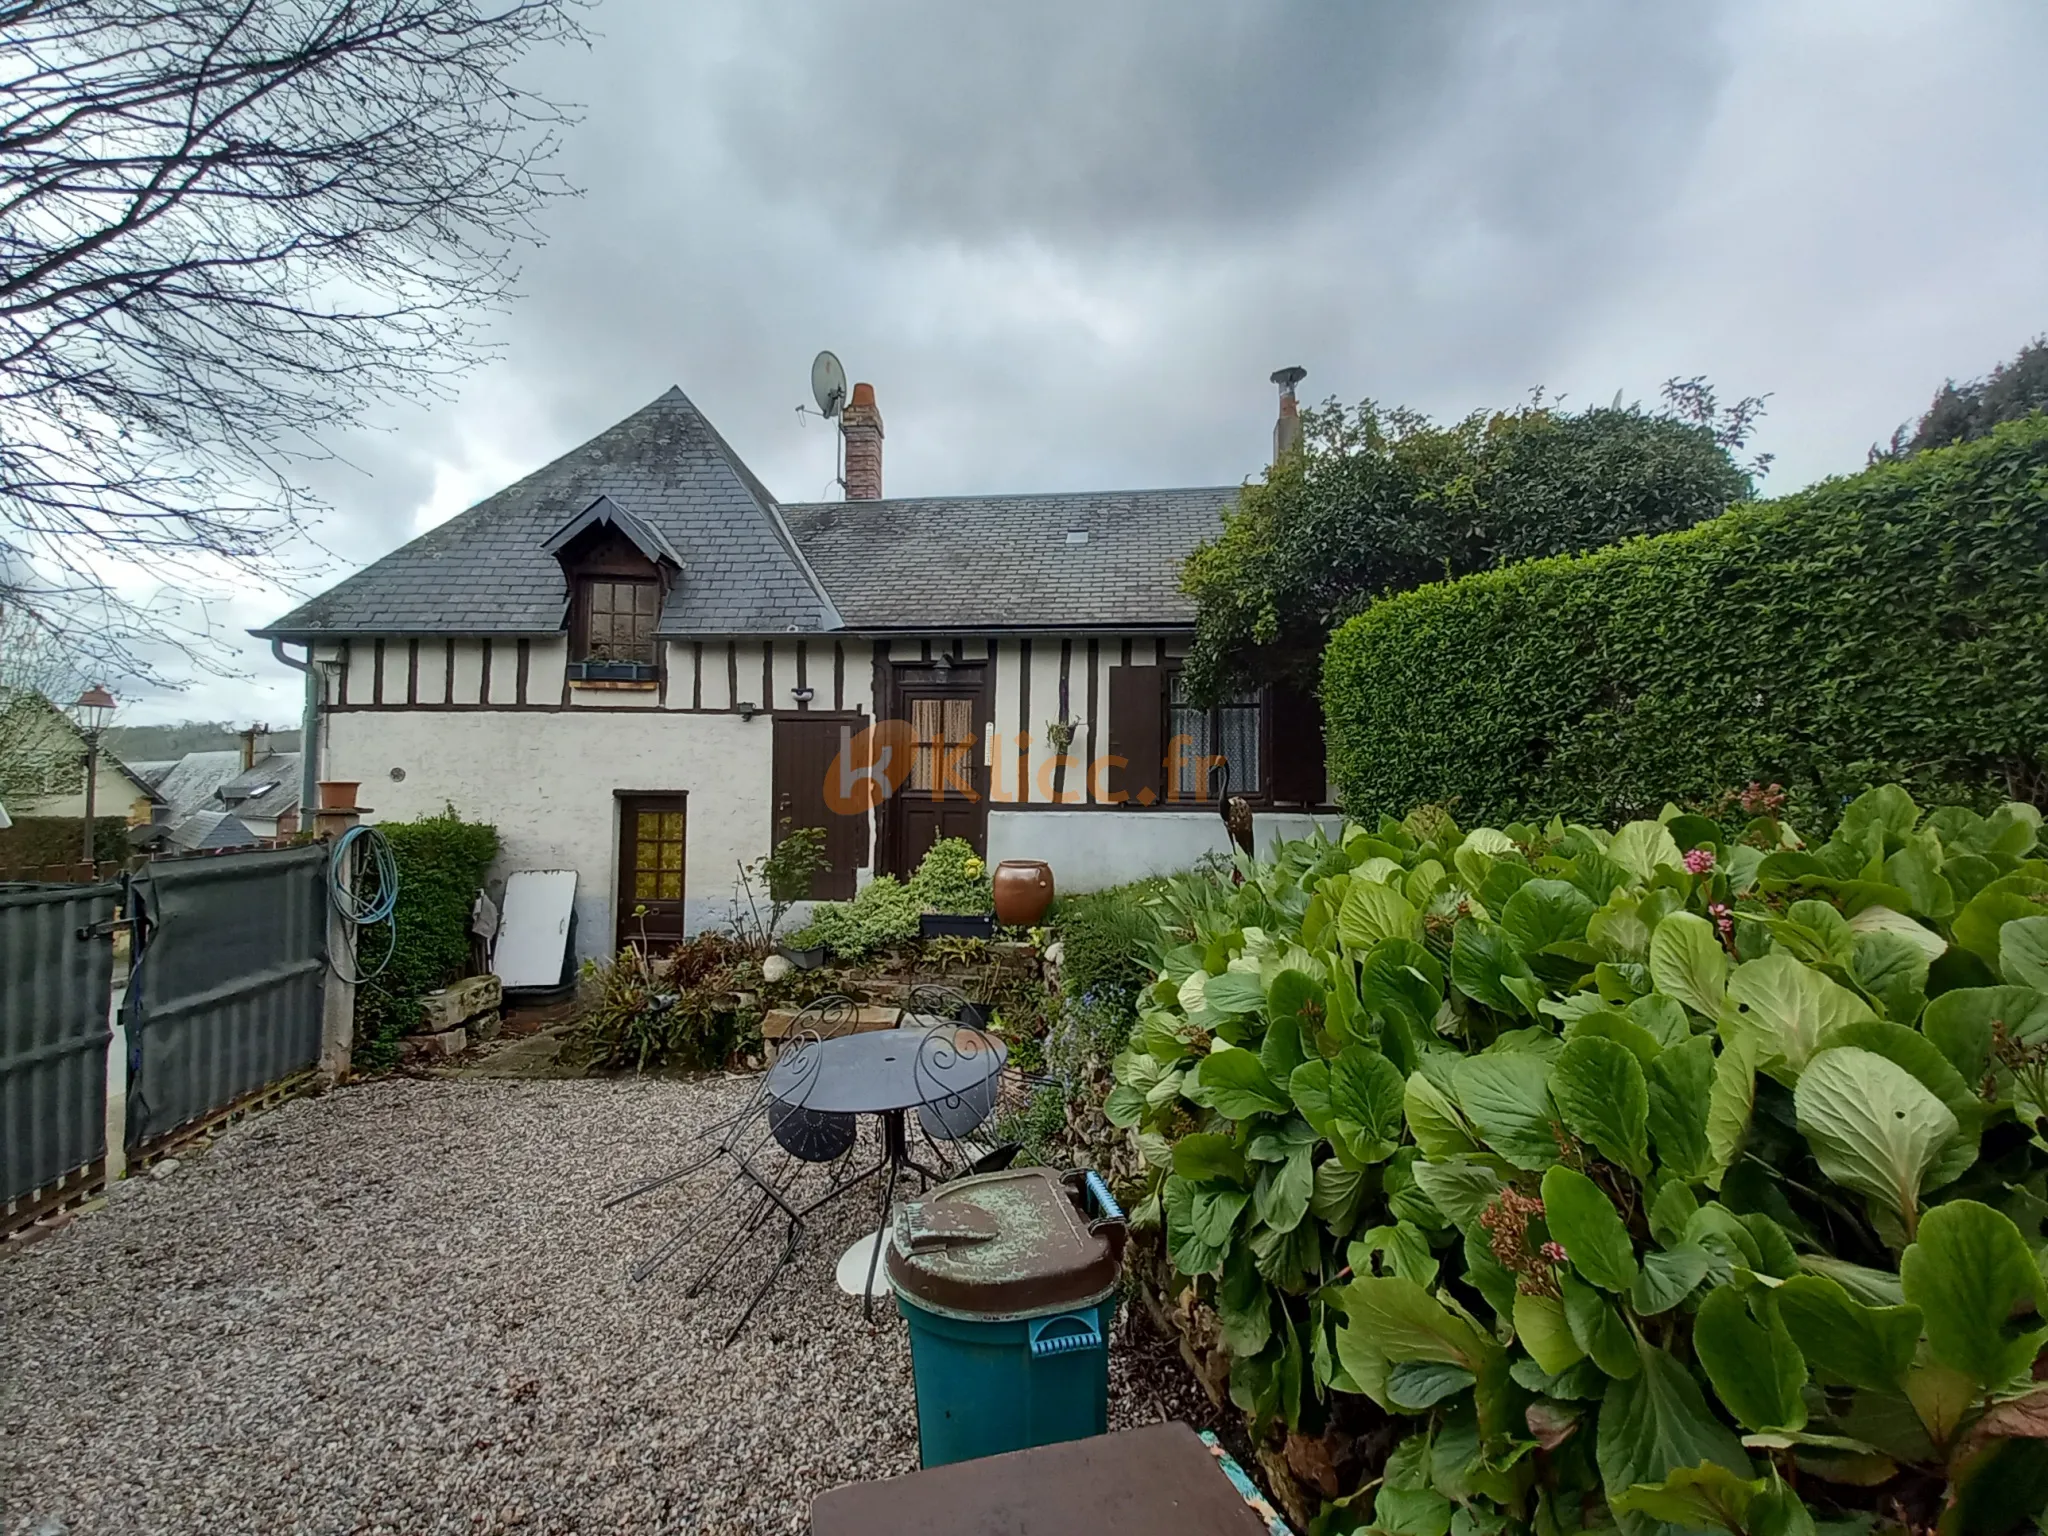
<point x="374" y="898"/>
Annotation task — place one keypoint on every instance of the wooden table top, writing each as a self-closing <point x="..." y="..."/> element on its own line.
<point x="1156" y="1481"/>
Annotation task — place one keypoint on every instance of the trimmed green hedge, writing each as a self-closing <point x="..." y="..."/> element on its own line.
<point x="37" y="842"/>
<point x="1890" y="626"/>
<point x="441" y="864"/>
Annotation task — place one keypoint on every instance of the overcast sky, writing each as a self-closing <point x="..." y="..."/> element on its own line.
<point x="1068" y="242"/>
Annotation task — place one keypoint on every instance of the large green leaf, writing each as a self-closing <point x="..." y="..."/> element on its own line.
<point x="1206" y="1155"/>
<point x="1506" y="1094"/>
<point x="1756" y="1369"/>
<point x="1877" y="817"/>
<point x="1434" y="1121"/>
<point x="1280" y="1052"/>
<point x="1599" y="1088"/>
<point x="1237" y="1085"/>
<point x="1892" y="969"/>
<point x="1199" y="1222"/>
<point x="1354" y="1099"/>
<point x="1244" y="1307"/>
<point x="1608" y="1025"/>
<point x="1459" y="1188"/>
<point x="1698" y="1498"/>
<point x="1597" y="1327"/>
<point x="1234" y="992"/>
<point x="1866" y="1346"/>
<point x="1983" y="918"/>
<point x="1644" y="847"/>
<point x="1281" y="1197"/>
<point x="1680" y="1083"/>
<point x="1663" y="1017"/>
<point x="1961" y="1023"/>
<point x="1669" y="1275"/>
<point x="1541" y="1328"/>
<point x="1969" y="1272"/>
<point x="1488" y="968"/>
<point x="1399" y="1320"/>
<point x="1919" y="1056"/>
<point x="1545" y="912"/>
<point x="2023" y="952"/>
<point x="1872" y="1126"/>
<point x="1372" y="913"/>
<point x="1402" y="979"/>
<point x="1788" y="1009"/>
<point x="1581" y="1217"/>
<point x="1730" y="1101"/>
<point x="1652" y="1425"/>
<point x="1688" y="963"/>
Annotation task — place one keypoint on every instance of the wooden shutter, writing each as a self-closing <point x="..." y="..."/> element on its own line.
<point x="1297" y="771"/>
<point x="1136" y="702"/>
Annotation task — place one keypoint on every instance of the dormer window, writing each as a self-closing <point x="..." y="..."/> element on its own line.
<point x="619" y="569"/>
<point x="618" y="614"/>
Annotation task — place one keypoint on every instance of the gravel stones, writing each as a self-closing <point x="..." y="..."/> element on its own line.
<point x="398" y="1308"/>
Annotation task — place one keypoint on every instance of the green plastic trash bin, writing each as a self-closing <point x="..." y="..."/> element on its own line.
<point x="1008" y="1282"/>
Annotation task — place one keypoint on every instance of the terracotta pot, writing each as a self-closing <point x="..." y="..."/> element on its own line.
<point x="338" y="794"/>
<point x="1023" y="891"/>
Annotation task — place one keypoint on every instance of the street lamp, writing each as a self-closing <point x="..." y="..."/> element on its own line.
<point x="95" y="707"/>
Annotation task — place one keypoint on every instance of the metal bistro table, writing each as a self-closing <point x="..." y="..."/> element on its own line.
<point x="888" y="1072"/>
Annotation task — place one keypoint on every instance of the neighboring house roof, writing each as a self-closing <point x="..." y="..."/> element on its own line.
<point x="190" y="784"/>
<point x="977" y="562"/>
<point x="153" y="771"/>
<point x="226" y="832"/>
<point x="266" y="791"/>
<point x="488" y="570"/>
<point x="55" y="718"/>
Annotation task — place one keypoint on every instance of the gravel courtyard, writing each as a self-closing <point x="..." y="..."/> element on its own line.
<point x="397" y="1308"/>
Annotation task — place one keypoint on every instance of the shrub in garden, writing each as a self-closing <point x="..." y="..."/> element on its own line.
<point x="951" y="877"/>
<point x="681" y="1009"/>
<point x="441" y="864"/>
<point x="884" y="913"/>
<point x="1890" y="626"/>
<point x="1661" y="1178"/>
<point x="1108" y="945"/>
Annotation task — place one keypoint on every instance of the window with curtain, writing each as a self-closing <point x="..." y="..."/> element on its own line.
<point x="942" y="735"/>
<point x="1229" y="729"/>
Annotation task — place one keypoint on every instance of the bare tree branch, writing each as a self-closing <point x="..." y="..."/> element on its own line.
<point x="228" y="229"/>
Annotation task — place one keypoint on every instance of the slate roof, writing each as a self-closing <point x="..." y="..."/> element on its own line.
<point x="751" y="566"/>
<point x="190" y="784"/>
<point x="276" y="774"/>
<point x="485" y="571"/>
<point x="999" y="562"/>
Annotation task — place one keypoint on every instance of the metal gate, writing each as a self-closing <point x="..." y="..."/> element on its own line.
<point x="225" y="996"/>
<point x="56" y="979"/>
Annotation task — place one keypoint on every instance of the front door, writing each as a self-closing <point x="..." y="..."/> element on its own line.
<point x="946" y="792"/>
<point x="649" y="914"/>
<point x="807" y="747"/>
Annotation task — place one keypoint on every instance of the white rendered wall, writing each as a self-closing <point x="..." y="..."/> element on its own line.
<point x="546" y="780"/>
<point x="1089" y="850"/>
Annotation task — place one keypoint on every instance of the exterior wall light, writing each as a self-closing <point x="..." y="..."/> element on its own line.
<point x="747" y="708"/>
<point x="803" y="694"/>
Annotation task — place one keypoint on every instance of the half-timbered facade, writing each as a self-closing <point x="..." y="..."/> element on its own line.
<point x="638" y="664"/>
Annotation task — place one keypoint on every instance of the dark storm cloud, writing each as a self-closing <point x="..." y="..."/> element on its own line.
<point x="1067" y="242"/>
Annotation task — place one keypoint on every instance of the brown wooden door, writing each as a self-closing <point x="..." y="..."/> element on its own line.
<point x="651" y="844"/>
<point x="807" y="748"/>
<point x="946" y="791"/>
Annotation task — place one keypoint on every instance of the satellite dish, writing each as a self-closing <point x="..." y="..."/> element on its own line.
<point x="828" y="383"/>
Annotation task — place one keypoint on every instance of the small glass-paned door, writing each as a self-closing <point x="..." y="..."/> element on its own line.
<point x="651" y="847"/>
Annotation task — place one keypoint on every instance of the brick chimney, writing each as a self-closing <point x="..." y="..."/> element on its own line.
<point x="861" y="423"/>
<point x="1287" y="430"/>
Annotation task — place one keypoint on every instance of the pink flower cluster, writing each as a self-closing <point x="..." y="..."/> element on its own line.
<point x="1700" y="861"/>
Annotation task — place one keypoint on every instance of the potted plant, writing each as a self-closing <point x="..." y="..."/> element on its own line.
<point x="952" y="887"/>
